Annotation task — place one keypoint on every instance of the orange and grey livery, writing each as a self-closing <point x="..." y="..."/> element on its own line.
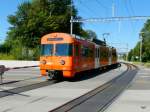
<point x="65" y="55"/>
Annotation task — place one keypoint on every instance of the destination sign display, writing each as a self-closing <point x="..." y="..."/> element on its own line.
<point x="55" y="39"/>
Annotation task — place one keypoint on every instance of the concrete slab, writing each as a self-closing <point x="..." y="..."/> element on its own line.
<point x="137" y="96"/>
<point x="21" y="77"/>
<point x="50" y="97"/>
<point x="17" y="63"/>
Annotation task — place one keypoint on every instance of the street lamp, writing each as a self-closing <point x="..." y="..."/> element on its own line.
<point x="141" y="39"/>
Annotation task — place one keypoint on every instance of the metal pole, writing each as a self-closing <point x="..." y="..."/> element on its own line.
<point x="127" y="53"/>
<point x="71" y="20"/>
<point x="113" y="9"/>
<point x="140" y="48"/>
<point x="71" y="25"/>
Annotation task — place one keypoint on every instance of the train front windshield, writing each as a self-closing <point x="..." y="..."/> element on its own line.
<point x="60" y="50"/>
<point x="47" y="49"/>
<point x="63" y="50"/>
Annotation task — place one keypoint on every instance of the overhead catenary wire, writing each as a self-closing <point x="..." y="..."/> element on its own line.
<point x="88" y="11"/>
<point x="131" y="7"/>
<point x="129" y="13"/>
<point x="111" y="19"/>
<point x="83" y="9"/>
<point x="132" y="11"/>
<point x="88" y="8"/>
<point x="103" y="6"/>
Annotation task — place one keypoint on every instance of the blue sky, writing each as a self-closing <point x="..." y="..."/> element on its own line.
<point x="7" y="7"/>
<point x="123" y="33"/>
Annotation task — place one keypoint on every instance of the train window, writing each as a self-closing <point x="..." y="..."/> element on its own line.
<point x="87" y="52"/>
<point x="91" y="53"/>
<point x="98" y="52"/>
<point x="63" y="49"/>
<point x="114" y="53"/>
<point x="76" y="50"/>
<point x="83" y="51"/>
<point x="104" y="52"/>
<point x="47" y="49"/>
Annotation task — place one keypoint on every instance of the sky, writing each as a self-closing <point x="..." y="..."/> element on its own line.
<point x="123" y="35"/>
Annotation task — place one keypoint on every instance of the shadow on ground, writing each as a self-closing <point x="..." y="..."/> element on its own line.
<point x="91" y="73"/>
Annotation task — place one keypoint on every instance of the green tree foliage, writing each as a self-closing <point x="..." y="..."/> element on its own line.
<point x="145" y="34"/>
<point x="34" y="19"/>
<point x="134" y="53"/>
<point x="39" y="17"/>
<point x="91" y="34"/>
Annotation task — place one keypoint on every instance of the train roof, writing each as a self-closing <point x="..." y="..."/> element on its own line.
<point x="69" y="38"/>
<point x="94" y="40"/>
<point x="99" y="42"/>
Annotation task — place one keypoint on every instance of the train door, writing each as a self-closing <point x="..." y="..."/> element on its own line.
<point x="76" y="57"/>
<point x="97" y="63"/>
<point x="110" y="56"/>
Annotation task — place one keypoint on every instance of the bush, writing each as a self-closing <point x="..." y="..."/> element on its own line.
<point x="6" y="57"/>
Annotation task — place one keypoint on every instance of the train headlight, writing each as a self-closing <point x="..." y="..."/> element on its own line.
<point x="43" y="62"/>
<point x="62" y="62"/>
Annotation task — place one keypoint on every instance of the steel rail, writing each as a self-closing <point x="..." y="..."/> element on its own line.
<point x="79" y="103"/>
<point x="25" y="88"/>
<point x="22" y="80"/>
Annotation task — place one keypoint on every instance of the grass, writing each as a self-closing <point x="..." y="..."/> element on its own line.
<point x="146" y="64"/>
<point x="6" y="57"/>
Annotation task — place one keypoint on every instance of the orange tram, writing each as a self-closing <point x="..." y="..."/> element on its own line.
<point x="65" y="55"/>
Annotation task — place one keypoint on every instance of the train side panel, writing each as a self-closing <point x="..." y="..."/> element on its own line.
<point x="80" y="55"/>
<point x="114" y="56"/>
<point x="104" y="56"/>
<point x="83" y="56"/>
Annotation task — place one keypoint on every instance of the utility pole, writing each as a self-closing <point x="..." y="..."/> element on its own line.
<point x="71" y="19"/>
<point x="113" y="8"/>
<point x="127" y="53"/>
<point x="141" y="39"/>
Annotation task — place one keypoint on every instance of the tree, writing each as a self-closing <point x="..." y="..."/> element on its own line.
<point x="39" y="17"/>
<point x="36" y="18"/>
<point x="91" y="34"/>
<point x="145" y="43"/>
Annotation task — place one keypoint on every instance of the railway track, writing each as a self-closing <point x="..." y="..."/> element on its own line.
<point x="22" y="80"/>
<point x="100" y="98"/>
<point x="19" y="89"/>
<point x="6" y="79"/>
<point x="25" y="88"/>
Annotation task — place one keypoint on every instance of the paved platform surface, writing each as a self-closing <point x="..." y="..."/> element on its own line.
<point x="136" y="98"/>
<point x="50" y="97"/>
<point x="17" y="63"/>
<point x="19" y="77"/>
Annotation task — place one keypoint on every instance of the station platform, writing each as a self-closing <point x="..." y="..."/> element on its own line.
<point x="136" y="98"/>
<point x="13" y="64"/>
<point x="47" y="98"/>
